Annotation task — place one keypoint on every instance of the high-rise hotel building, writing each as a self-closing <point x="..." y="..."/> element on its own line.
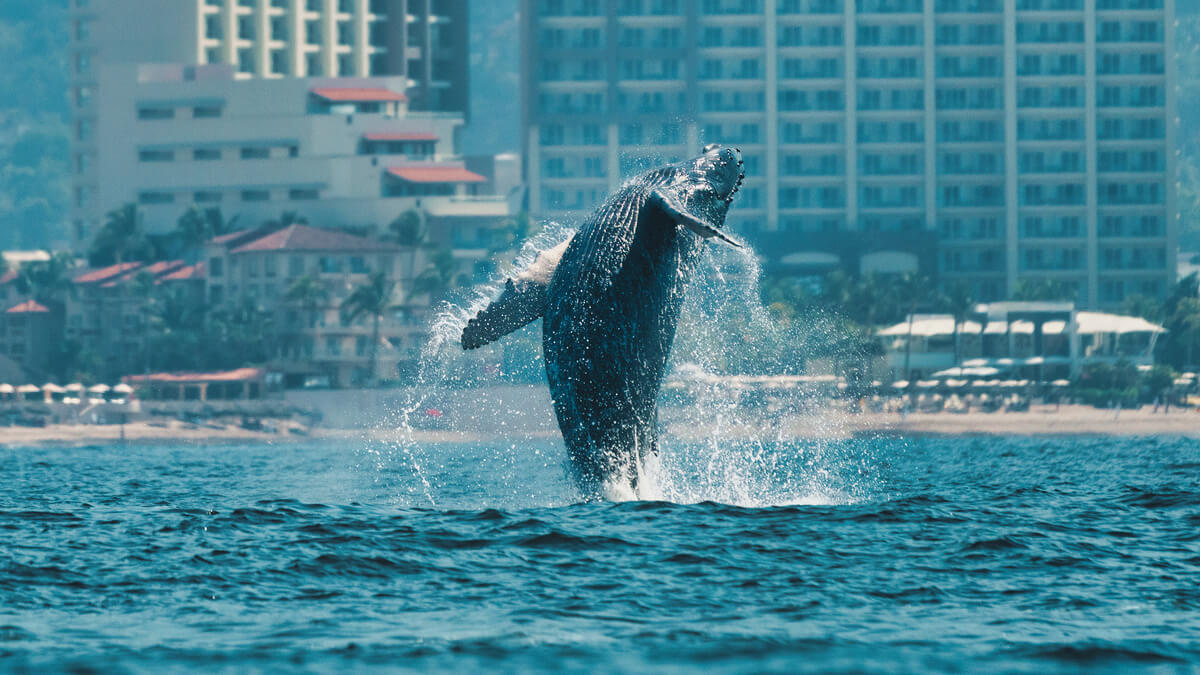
<point x="987" y="141"/>
<point x="421" y="42"/>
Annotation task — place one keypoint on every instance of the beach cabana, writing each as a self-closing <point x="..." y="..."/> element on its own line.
<point x="29" y="392"/>
<point x="6" y="392"/>
<point x="96" y="393"/>
<point x="74" y="393"/>
<point x="53" y="392"/>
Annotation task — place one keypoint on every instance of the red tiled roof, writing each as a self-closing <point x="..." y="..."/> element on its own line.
<point x="436" y="174"/>
<point x="401" y="136"/>
<point x="305" y="238"/>
<point x="358" y="94"/>
<point x="228" y="236"/>
<point x="239" y="375"/>
<point x="28" y="307"/>
<point x="7" y="277"/>
<point x="184" y="273"/>
<point x="105" y="273"/>
<point x="155" y="269"/>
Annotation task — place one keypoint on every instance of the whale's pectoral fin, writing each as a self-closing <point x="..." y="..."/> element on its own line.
<point x="680" y="214"/>
<point x="520" y="302"/>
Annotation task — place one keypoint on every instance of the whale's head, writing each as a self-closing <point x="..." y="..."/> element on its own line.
<point x="721" y="168"/>
<point x="709" y="182"/>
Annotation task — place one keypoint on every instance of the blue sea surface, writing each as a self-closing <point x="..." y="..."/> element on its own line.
<point x="1034" y="554"/>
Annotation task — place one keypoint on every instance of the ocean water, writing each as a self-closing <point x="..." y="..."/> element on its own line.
<point x="1036" y="555"/>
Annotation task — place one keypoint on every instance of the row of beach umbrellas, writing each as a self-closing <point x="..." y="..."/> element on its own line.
<point x="76" y="389"/>
<point x="977" y="384"/>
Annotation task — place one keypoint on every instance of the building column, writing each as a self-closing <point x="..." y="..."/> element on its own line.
<point x="533" y="170"/>
<point x="613" y="157"/>
<point x="850" y="67"/>
<point x="1012" y="192"/>
<point x="771" y="92"/>
<point x="930" y="59"/>
<point x="1171" y="217"/>
<point x="1091" y="187"/>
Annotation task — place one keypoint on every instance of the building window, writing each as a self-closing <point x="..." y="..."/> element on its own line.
<point x="156" y="198"/>
<point x="296" y="266"/>
<point x="246" y="61"/>
<point x="206" y="154"/>
<point x="303" y="194"/>
<point x="206" y="197"/>
<point x="333" y="346"/>
<point x="256" y="153"/>
<point x="156" y="113"/>
<point x="156" y="155"/>
<point x="256" y="195"/>
<point x="269" y="266"/>
<point x="330" y="264"/>
<point x="358" y="265"/>
<point x="313" y="65"/>
<point x="206" y="111"/>
<point x="345" y="65"/>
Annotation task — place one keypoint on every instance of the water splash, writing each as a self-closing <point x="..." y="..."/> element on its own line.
<point x="718" y="443"/>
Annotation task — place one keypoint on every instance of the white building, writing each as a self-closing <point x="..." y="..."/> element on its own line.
<point x="1043" y="340"/>
<point x="985" y="140"/>
<point x="339" y="151"/>
<point x="423" y="43"/>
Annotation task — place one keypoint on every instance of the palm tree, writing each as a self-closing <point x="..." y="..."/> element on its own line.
<point x="310" y="294"/>
<point x="121" y="238"/>
<point x="196" y="226"/>
<point x="47" y="281"/>
<point x="145" y="291"/>
<point x="1187" y="321"/>
<point x="438" y="277"/>
<point x="286" y="219"/>
<point x="959" y="303"/>
<point x="373" y="298"/>
<point x="915" y="290"/>
<point x="408" y="231"/>
<point x="1042" y="289"/>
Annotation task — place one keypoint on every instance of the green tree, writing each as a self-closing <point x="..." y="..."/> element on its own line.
<point x="1186" y="323"/>
<point x="48" y="282"/>
<point x="438" y="277"/>
<point x="959" y="302"/>
<point x="286" y="219"/>
<point x="1143" y="306"/>
<point x="408" y="231"/>
<point x="197" y="226"/>
<point x="374" y="299"/>
<point x="1041" y="289"/>
<point x="916" y="291"/>
<point x="121" y="238"/>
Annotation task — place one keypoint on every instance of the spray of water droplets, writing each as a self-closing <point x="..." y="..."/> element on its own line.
<point x="717" y="443"/>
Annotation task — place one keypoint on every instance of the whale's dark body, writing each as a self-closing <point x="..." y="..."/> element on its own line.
<point x="611" y="304"/>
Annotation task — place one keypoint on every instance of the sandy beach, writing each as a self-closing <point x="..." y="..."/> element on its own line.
<point x="1038" y="421"/>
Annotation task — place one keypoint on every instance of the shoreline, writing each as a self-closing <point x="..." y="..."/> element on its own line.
<point x="1040" y="420"/>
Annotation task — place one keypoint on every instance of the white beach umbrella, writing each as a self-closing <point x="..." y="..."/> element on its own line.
<point x="1061" y="383"/>
<point x="99" y="389"/>
<point x="53" y="388"/>
<point x="900" y="384"/>
<point x="122" y="389"/>
<point x="6" y="389"/>
<point x="74" y="386"/>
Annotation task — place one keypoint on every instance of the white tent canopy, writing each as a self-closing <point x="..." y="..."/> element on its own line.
<point x="971" y="371"/>
<point x="6" y="389"/>
<point x="98" y="389"/>
<point x="75" y="386"/>
<point x="122" y="389"/>
<point x="53" y="388"/>
<point x="930" y="325"/>
<point x="1088" y="323"/>
<point x="28" y="389"/>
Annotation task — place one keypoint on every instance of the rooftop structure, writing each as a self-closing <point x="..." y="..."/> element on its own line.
<point x="422" y="44"/>
<point x="345" y="151"/>
<point x="1036" y="339"/>
<point x="985" y="141"/>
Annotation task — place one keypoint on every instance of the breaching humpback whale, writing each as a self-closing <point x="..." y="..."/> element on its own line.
<point x="610" y="298"/>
